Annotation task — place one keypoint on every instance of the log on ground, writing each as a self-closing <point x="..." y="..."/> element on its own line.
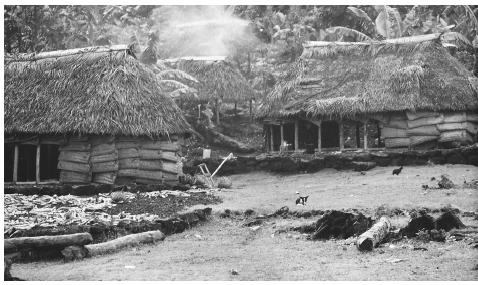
<point x="371" y="238"/>
<point x="122" y="242"/>
<point x="60" y="241"/>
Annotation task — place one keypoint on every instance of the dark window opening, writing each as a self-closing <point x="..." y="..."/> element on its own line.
<point x="276" y="134"/>
<point x="330" y="134"/>
<point x="26" y="162"/>
<point x="9" y="151"/>
<point x="49" y="154"/>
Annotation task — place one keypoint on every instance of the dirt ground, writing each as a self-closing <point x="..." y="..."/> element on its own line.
<point x="211" y="250"/>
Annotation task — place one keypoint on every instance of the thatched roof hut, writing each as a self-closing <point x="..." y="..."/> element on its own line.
<point x="410" y="92"/>
<point x="91" y="115"/>
<point x="344" y="79"/>
<point x="219" y="78"/>
<point x="87" y="91"/>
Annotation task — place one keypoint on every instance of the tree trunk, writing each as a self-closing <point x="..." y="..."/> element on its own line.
<point x="122" y="242"/>
<point x="60" y="241"/>
<point x="369" y="239"/>
<point x="475" y="66"/>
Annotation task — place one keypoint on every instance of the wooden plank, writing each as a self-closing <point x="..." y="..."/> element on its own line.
<point x="78" y="146"/>
<point x="102" y="149"/>
<point x="296" y="135"/>
<point x="341" y="136"/>
<point x="452" y="126"/>
<point x="150" y="154"/>
<point x="149" y="174"/>
<point x="388" y="132"/>
<point x="416" y="140"/>
<point x="104" y="178"/>
<point x="149" y="181"/>
<point x="170" y="167"/>
<point x="78" y="139"/>
<point x="74" y="177"/>
<point x="160" y="145"/>
<point x="127" y="172"/>
<point x="108" y="166"/>
<point x="169" y="156"/>
<point x="150" y="164"/>
<point x="128" y="153"/>
<point x="73" y="166"/>
<point x="454" y="117"/>
<point x="170" y="177"/>
<point x="424" y="131"/>
<point x="425" y="122"/>
<point x="37" y="165"/>
<point x="15" y="164"/>
<point x="126" y="144"/>
<point x="421" y="114"/>
<point x="128" y="163"/>
<point x="113" y="156"/>
<point x="75" y="156"/>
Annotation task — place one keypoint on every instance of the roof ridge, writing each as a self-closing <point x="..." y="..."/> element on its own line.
<point x="67" y="52"/>
<point x="402" y="40"/>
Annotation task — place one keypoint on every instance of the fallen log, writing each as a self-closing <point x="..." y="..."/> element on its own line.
<point x="61" y="241"/>
<point x="369" y="239"/>
<point x="119" y="243"/>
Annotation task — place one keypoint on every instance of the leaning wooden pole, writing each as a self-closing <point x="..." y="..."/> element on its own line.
<point x="59" y="241"/>
<point x="369" y="239"/>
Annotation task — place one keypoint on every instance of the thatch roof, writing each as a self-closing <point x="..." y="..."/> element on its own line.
<point x="340" y="79"/>
<point x="218" y="78"/>
<point x="98" y="90"/>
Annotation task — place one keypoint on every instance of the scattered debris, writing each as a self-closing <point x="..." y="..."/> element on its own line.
<point x="445" y="182"/>
<point x="234" y="272"/>
<point x="395" y="260"/>
<point x="129" y="266"/>
<point x="340" y="225"/>
<point x="420" y="248"/>
<point x="224" y="182"/>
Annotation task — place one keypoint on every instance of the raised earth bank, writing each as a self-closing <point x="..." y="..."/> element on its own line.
<point x="359" y="161"/>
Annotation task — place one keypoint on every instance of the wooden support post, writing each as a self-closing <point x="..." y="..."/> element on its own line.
<point x="37" y="169"/>
<point x="365" y="143"/>
<point x="357" y="134"/>
<point x="296" y="135"/>
<point x="272" y="137"/>
<point x="250" y="109"/>
<point x="15" y="164"/>
<point x="319" y="136"/>
<point x="379" y="135"/>
<point x="281" y="134"/>
<point x="341" y="135"/>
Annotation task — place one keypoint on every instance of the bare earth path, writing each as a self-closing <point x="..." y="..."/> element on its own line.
<point x="211" y="250"/>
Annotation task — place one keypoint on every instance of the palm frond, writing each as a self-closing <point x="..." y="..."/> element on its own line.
<point x="389" y="22"/>
<point x="360" y="14"/>
<point x="456" y="39"/>
<point x="347" y="32"/>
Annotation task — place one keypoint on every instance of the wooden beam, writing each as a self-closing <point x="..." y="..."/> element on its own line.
<point x="365" y="143"/>
<point x="281" y="135"/>
<point x="341" y="136"/>
<point x="15" y="164"/>
<point x="37" y="162"/>
<point x="319" y="136"/>
<point x="272" y="137"/>
<point x="296" y="135"/>
<point x="379" y="135"/>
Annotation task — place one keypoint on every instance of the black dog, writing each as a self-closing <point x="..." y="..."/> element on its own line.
<point x="301" y="200"/>
<point x="397" y="171"/>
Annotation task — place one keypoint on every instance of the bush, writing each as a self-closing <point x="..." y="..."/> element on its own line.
<point x="118" y="197"/>
<point x="224" y="182"/>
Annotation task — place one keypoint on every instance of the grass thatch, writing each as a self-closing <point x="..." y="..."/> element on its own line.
<point x="346" y="79"/>
<point x="218" y="78"/>
<point x="89" y="92"/>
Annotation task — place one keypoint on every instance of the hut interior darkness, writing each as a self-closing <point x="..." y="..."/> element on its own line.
<point x="91" y="115"/>
<point x="399" y="93"/>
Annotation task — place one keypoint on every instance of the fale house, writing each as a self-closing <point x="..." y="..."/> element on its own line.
<point x="92" y="115"/>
